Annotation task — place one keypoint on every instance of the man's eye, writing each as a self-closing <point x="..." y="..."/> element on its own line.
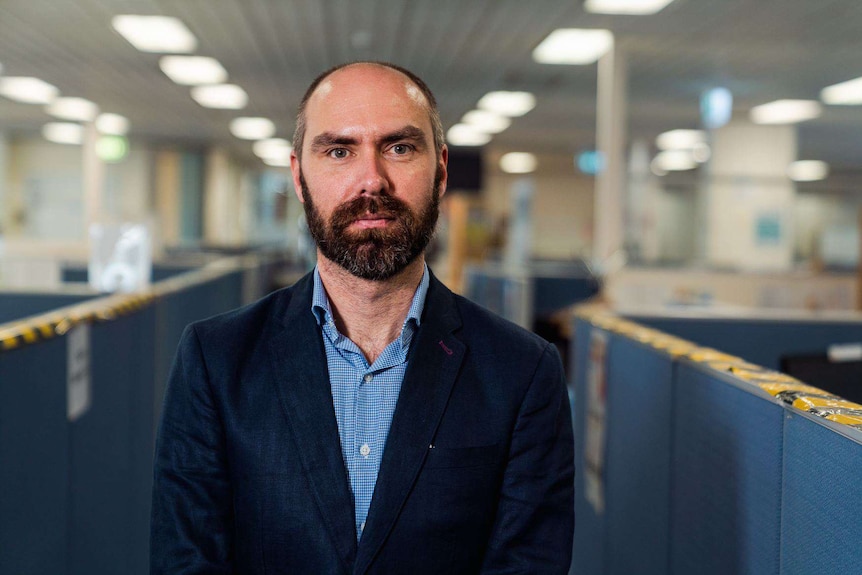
<point x="338" y="153"/>
<point x="401" y="149"/>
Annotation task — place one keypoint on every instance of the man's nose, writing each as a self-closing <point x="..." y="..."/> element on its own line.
<point x="373" y="179"/>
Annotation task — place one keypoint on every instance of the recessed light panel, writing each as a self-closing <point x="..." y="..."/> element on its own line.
<point x="220" y="96"/>
<point x="808" y="170"/>
<point x="63" y="133"/>
<point x="193" y="70"/>
<point x="844" y="94"/>
<point x="161" y="34"/>
<point x="273" y="151"/>
<point x="511" y="104"/>
<point x="573" y="46"/>
<point x="75" y="109"/>
<point x="252" y="128"/>
<point x="635" y="7"/>
<point x="785" y="112"/>
<point x="674" y="161"/>
<point x="28" y="90"/>
<point x="465" y="135"/>
<point x="112" y="124"/>
<point x="486" y="121"/>
<point x="518" y="163"/>
<point x="680" y="139"/>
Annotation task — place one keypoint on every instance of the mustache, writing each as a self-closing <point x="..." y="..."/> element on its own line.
<point x="382" y="204"/>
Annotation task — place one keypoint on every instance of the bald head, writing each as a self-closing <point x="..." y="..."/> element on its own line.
<point x="415" y="88"/>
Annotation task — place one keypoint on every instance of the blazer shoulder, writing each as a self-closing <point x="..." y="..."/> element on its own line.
<point x="481" y="322"/>
<point x="249" y="321"/>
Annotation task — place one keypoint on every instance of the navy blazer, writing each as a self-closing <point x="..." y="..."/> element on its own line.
<point x="477" y="474"/>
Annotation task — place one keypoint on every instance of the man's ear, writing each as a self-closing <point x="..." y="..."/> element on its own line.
<point x="443" y="166"/>
<point x="296" y="172"/>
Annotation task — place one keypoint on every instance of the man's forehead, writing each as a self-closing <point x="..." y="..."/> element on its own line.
<point x="368" y="77"/>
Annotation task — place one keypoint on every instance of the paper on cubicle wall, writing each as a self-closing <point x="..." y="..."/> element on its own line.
<point x="120" y="257"/>
<point x="595" y="436"/>
<point x="78" y="383"/>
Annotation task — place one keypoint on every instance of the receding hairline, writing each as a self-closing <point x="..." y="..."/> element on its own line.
<point x="413" y="82"/>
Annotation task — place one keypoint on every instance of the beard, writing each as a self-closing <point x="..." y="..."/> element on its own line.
<point x="378" y="253"/>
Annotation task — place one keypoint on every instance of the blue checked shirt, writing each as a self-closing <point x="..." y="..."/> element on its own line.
<point x="364" y="395"/>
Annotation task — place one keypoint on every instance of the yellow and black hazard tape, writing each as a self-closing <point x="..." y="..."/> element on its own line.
<point x="783" y="387"/>
<point x="51" y="325"/>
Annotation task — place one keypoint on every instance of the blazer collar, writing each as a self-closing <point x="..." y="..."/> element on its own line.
<point x="302" y="385"/>
<point x="436" y="356"/>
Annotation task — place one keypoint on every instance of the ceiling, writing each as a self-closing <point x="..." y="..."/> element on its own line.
<point x="762" y="50"/>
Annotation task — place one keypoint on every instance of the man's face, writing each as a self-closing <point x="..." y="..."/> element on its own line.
<point x="370" y="178"/>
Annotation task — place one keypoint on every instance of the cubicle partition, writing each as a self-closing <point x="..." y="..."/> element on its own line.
<point x="80" y="390"/>
<point x="690" y="460"/>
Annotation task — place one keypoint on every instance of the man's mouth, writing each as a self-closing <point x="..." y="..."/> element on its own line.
<point x="378" y="220"/>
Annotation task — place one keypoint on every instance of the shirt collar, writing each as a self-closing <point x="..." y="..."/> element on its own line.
<point x="322" y="310"/>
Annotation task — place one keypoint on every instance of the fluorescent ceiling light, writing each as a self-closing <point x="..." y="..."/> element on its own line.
<point x="75" y="109"/>
<point x="638" y="7"/>
<point x="112" y="124"/>
<point x="63" y="133"/>
<point x="277" y="162"/>
<point x="680" y="139"/>
<point x="155" y="33"/>
<point x="509" y="104"/>
<point x="486" y="121"/>
<point x="785" y="112"/>
<point x="221" y="96"/>
<point x="808" y="170"/>
<point x="673" y="161"/>
<point x="252" y="128"/>
<point x="273" y="149"/>
<point x="28" y="90"/>
<point x="518" y="163"/>
<point x="573" y="46"/>
<point x="465" y="135"/>
<point x="193" y="70"/>
<point x="844" y="94"/>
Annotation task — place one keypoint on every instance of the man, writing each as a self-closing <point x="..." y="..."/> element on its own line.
<point x="366" y="419"/>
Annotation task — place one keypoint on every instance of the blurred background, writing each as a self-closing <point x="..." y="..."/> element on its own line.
<point x="663" y="144"/>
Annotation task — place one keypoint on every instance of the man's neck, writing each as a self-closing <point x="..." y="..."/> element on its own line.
<point x="371" y="313"/>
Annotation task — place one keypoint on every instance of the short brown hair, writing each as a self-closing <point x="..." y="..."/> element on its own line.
<point x="433" y="112"/>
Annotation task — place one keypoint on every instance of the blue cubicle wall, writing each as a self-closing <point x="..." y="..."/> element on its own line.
<point x="705" y="472"/>
<point x="75" y="495"/>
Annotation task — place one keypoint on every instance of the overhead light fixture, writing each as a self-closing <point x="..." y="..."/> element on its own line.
<point x="161" y="34"/>
<point x="486" y="121"/>
<point x="112" y="149"/>
<point x="680" y="139"/>
<point x="28" y="90"/>
<point x="634" y="7"/>
<point x="673" y="161"/>
<point x="75" y="109"/>
<point x="112" y="124"/>
<point x="466" y="135"/>
<point x="518" y="163"/>
<point x="273" y="151"/>
<point x="808" y="170"/>
<point x="220" y="96"/>
<point x="252" y="128"/>
<point x="193" y="70"/>
<point x="573" y="46"/>
<point x="63" y="132"/>
<point x="785" y="112"/>
<point x="511" y="104"/>
<point x="844" y="94"/>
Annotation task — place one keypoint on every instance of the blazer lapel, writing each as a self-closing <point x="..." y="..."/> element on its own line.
<point x="436" y="357"/>
<point x="303" y="388"/>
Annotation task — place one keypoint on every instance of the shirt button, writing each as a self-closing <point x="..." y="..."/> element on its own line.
<point x="368" y="378"/>
<point x="364" y="451"/>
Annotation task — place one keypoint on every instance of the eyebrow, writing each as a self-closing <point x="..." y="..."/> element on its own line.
<point x="410" y="133"/>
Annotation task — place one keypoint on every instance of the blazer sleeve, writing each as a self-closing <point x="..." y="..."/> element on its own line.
<point x="192" y="519"/>
<point x="534" y="526"/>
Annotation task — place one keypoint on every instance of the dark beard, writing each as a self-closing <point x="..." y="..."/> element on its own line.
<point x="373" y="254"/>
